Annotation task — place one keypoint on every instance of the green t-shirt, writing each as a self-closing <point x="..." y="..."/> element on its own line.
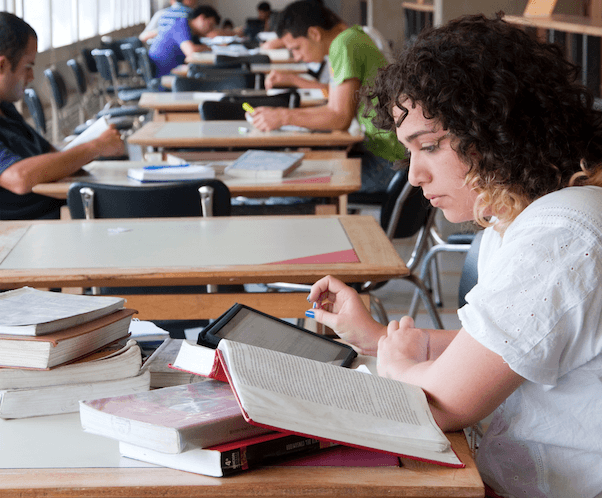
<point x="353" y="54"/>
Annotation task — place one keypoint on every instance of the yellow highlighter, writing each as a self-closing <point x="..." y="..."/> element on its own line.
<point x="247" y="107"/>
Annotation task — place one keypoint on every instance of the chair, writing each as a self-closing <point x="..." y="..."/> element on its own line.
<point x="234" y="82"/>
<point x="91" y="200"/>
<point x="106" y="62"/>
<point x="34" y="105"/>
<point x="242" y="59"/>
<point x="470" y="271"/>
<point x="404" y="214"/>
<point x="194" y="198"/>
<point x="147" y="70"/>
<point x="129" y="54"/>
<point x="230" y="107"/>
<point x="58" y="93"/>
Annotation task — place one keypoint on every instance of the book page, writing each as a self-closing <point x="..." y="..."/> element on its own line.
<point x="331" y="402"/>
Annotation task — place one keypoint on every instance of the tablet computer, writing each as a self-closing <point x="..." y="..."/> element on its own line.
<point x="250" y="326"/>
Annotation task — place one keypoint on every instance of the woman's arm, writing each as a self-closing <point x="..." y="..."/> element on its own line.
<point x="464" y="383"/>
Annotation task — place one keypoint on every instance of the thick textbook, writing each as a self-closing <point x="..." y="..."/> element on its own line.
<point x="159" y="365"/>
<point x="29" y="311"/>
<point x="298" y="395"/>
<point x="202" y="414"/>
<point x="56" y="348"/>
<point x="265" y="164"/>
<point x="229" y="458"/>
<point x="169" y="173"/>
<point x="115" y="361"/>
<point x="52" y="400"/>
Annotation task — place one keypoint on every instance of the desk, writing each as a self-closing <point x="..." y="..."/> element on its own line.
<point x="184" y="106"/>
<point x="334" y="178"/>
<point x="197" y="251"/>
<point x="234" y="134"/>
<point x="281" y="55"/>
<point x="52" y="457"/>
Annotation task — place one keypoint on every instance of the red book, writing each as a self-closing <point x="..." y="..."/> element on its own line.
<point x="291" y="394"/>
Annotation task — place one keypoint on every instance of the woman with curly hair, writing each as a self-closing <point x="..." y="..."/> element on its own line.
<point x="500" y="132"/>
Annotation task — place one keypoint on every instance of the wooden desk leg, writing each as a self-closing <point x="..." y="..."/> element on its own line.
<point x="343" y="204"/>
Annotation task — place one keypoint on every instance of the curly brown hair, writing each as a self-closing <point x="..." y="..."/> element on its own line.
<point x="505" y="95"/>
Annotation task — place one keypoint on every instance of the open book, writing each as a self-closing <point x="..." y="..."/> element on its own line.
<point x="298" y="395"/>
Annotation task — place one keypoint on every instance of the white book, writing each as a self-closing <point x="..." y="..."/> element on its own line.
<point x="29" y="311"/>
<point x="169" y="173"/>
<point x="91" y="133"/>
<point x="289" y="393"/>
<point x="265" y="164"/>
<point x="52" y="400"/>
<point x="115" y="361"/>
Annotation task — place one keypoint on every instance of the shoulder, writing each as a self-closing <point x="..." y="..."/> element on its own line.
<point x="354" y="37"/>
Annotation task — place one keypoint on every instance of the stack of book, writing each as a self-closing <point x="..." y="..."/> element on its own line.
<point x="194" y="427"/>
<point x="57" y="349"/>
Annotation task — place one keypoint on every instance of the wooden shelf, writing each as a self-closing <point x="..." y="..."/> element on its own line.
<point x="561" y="22"/>
<point x="422" y="7"/>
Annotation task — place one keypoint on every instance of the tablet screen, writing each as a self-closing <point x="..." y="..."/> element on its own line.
<point x="251" y="327"/>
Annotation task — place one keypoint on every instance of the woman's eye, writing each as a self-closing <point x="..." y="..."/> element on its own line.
<point x="430" y="147"/>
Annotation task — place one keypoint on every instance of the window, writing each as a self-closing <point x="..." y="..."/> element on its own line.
<point x="63" y="22"/>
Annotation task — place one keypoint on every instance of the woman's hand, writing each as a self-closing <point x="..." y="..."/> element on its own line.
<point x="339" y="307"/>
<point x="402" y="347"/>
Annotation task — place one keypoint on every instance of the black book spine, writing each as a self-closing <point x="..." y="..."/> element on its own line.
<point x="274" y="451"/>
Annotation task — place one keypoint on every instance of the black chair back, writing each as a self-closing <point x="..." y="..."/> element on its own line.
<point x="80" y="76"/>
<point x="242" y="59"/>
<point x="34" y="105"/>
<point x="414" y="213"/>
<point x="58" y="89"/>
<point x="164" y="200"/>
<point x="129" y="54"/>
<point x="470" y="272"/>
<point x="230" y="107"/>
<point x="146" y="66"/>
<point x="233" y="82"/>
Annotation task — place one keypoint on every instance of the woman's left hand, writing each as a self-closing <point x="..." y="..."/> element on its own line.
<point x="402" y="347"/>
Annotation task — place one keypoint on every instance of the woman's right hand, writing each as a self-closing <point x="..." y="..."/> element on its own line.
<point x="339" y="307"/>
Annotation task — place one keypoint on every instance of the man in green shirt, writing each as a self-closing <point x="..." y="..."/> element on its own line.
<point x="311" y="31"/>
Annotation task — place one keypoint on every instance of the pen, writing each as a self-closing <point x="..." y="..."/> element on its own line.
<point x="247" y="107"/>
<point x="166" y="166"/>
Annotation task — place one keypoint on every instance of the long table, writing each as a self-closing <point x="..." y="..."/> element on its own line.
<point x="52" y="457"/>
<point x="184" y="106"/>
<point x="329" y="178"/>
<point x="197" y="251"/>
<point x="235" y="134"/>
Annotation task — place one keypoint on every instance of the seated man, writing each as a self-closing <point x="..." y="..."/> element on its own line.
<point x="152" y="28"/>
<point x="26" y="158"/>
<point x="311" y="34"/>
<point x="177" y="28"/>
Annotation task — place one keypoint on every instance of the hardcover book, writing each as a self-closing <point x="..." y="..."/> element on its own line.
<point x="230" y="458"/>
<point x="297" y="395"/>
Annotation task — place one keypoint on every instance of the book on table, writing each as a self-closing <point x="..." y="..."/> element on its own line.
<point x="65" y="398"/>
<point x="265" y="164"/>
<point x="159" y="363"/>
<point x="229" y="458"/>
<point x="56" y="348"/>
<point x="171" y="173"/>
<point x="171" y="418"/>
<point x="287" y="393"/>
<point x="114" y="361"/>
<point x="29" y="311"/>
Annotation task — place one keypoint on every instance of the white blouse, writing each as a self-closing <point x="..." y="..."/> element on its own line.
<point x="538" y="304"/>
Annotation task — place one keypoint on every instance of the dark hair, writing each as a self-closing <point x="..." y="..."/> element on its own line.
<point x="14" y="37"/>
<point x="264" y="7"/>
<point x="227" y="23"/>
<point x="206" y="11"/>
<point x="501" y="93"/>
<point x="299" y="16"/>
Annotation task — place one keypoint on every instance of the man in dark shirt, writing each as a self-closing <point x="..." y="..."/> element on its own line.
<point x="26" y="158"/>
